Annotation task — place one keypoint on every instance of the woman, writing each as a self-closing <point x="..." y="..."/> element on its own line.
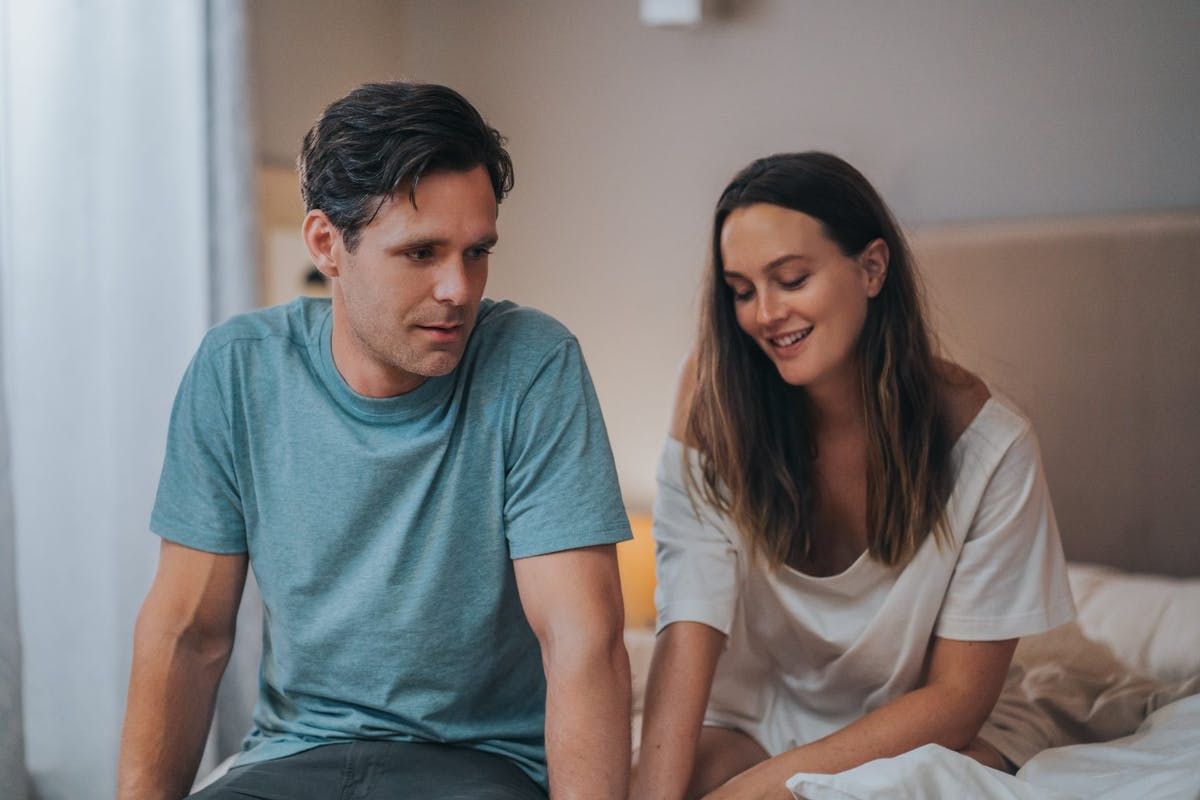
<point x="852" y="534"/>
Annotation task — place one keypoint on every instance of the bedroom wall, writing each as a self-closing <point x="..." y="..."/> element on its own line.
<point x="307" y="53"/>
<point x="624" y="135"/>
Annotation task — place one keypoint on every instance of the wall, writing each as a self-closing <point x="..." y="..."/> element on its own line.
<point x="306" y="54"/>
<point x="623" y="137"/>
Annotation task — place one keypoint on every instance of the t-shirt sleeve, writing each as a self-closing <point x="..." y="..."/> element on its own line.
<point x="198" y="503"/>
<point x="1011" y="576"/>
<point x="695" y="557"/>
<point x="561" y="489"/>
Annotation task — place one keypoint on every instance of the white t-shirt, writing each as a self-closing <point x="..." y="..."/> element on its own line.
<point x="807" y="655"/>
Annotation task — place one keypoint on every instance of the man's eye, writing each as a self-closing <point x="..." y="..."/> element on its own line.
<point x="479" y="252"/>
<point x="420" y="254"/>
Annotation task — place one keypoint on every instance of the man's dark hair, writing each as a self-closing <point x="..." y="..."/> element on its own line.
<point x="381" y="138"/>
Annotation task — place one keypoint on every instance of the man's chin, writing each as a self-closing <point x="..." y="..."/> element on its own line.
<point x="437" y="364"/>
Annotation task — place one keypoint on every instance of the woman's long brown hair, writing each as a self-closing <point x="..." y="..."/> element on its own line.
<point x="752" y="429"/>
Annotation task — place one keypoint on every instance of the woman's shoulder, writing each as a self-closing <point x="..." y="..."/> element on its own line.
<point x="961" y="396"/>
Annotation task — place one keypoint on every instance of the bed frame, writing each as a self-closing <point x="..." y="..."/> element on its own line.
<point x="1092" y="326"/>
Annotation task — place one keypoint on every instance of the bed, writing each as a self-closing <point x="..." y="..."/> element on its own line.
<point x="1090" y="325"/>
<point x="1092" y="723"/>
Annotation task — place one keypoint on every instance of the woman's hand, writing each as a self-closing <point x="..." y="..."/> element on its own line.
<point x="763" y="782"/>
<point x="964" y="681"/>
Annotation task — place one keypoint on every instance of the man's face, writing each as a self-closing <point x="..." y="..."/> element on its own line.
<point x="405" y="300"/>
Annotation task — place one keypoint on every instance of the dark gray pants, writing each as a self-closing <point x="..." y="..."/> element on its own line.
<point x="378" y="771"/>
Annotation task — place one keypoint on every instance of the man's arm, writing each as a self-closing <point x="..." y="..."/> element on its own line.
<point x="182" y="641"/>
<point x="572" y="600"/>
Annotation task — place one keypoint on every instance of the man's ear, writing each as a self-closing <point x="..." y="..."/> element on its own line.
<point x="874" y="262"/>
<point x="324" y="242"/>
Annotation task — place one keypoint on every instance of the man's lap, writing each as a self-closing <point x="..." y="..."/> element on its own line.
<point x="378" y="771"/>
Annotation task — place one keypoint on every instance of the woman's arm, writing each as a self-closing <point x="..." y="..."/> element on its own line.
<point x="681" y="673"/>
<point x="964" y="681"/>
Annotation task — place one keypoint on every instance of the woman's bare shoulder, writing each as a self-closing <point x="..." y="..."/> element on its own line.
<point x="962" y="395"/>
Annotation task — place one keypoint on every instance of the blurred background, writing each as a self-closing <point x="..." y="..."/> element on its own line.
<point x="147" y="192"/>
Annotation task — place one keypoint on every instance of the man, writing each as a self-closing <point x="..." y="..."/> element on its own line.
<point x="422" y="483"/>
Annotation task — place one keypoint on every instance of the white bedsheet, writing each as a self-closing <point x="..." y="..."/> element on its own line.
<point x="1161" y="761"/>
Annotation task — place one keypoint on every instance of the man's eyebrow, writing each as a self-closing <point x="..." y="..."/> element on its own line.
<point x="772" y="265"/>
<point x="417" y="242"/>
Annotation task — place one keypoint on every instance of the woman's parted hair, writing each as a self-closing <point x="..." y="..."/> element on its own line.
<point x="752" y="428"/>
<point x="382" y="138"/>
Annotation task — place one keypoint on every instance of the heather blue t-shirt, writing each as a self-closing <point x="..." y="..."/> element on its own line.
<point x="381" y="531"/>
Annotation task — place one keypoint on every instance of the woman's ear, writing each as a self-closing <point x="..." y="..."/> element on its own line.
<point x="874" y="263"/>
<point x="323" y="240"/>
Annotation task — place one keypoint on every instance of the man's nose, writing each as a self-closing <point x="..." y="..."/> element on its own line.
<point x="452" y="285"/>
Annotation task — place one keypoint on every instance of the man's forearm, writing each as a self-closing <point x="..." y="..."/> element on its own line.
<point x="587" y="723"/>
<point x="172" y="689"/>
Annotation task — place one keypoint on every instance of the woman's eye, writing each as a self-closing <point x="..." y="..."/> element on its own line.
<point x="796" y="283"/>
<point x="742" y="296"/>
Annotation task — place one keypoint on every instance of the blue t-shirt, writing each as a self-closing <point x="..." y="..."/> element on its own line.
<point x="381" y="531"/>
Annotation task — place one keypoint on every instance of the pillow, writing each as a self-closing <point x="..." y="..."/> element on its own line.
<point x="1064" y="688"/>
<point x="1150" y="621"/>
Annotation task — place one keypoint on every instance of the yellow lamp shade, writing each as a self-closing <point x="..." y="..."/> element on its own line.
<point x="636" y="559"/>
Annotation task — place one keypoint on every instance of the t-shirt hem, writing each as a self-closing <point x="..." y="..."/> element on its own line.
<point x="273" y="749"/>
<point x="191" y="540"/>
<point x="704" y="613"/>
<point x="1006" y="627"/>
<point x="573" y="541"/>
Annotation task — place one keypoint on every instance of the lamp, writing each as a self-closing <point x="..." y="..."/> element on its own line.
<point x="636" y="561"/>
<point x="671" y="12"/>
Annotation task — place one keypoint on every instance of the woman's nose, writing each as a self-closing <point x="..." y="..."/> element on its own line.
<point x="770" y="308"/>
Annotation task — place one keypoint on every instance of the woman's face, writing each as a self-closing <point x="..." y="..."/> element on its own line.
<point x="795" y="293"/>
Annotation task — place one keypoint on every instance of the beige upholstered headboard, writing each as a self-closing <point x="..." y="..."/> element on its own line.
<point x="1092" y="326"/>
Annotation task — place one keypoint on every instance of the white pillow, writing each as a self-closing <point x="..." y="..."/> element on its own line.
<point x="1151" y="622"/>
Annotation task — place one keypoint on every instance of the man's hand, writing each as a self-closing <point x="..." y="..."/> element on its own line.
<point x="572" y="600"/>
<point x="182" y="642"/>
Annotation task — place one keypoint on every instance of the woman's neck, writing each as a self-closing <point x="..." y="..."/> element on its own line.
<point x="835" y="404"/>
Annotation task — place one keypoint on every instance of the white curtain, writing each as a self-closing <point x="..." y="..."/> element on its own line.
<point x="13" y="778"/>
<point x="125" y="224"/>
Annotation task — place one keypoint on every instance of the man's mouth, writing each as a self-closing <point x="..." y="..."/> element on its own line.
<point x="448" y="332"/>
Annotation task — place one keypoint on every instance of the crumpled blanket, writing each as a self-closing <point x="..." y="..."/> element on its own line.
<point x="1158" y="761"/>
